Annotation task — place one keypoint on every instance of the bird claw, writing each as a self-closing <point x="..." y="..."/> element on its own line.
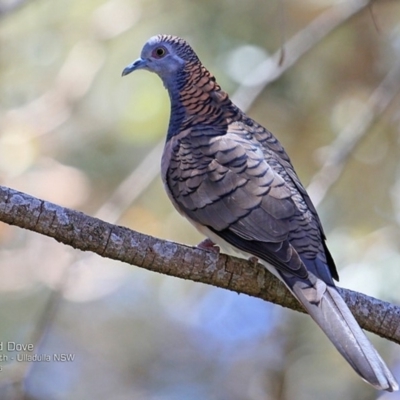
<point x="253" y="260"/>
<point x="209" y="245"/>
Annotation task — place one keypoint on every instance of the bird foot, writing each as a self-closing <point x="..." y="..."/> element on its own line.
<point x="209" y="245"/>
<point x="253" y="260"/>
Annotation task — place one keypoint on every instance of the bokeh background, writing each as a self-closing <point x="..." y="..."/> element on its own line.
<point x="74" y="133"/>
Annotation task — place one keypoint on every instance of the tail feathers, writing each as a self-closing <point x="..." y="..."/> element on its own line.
<point x="330" y="312"/>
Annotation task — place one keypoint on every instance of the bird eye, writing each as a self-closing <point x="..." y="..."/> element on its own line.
<point x="159" y="52"/>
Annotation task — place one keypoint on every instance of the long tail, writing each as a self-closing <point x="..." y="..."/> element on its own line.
<point x="330" y="312"/>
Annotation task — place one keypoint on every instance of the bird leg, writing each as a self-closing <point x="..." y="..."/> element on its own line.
<point x="208" y="244"/>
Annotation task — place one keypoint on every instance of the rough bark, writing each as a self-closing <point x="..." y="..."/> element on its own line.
<point x="119" y="243"/>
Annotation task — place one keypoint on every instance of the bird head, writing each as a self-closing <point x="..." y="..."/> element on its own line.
<point x="165" y="55"/>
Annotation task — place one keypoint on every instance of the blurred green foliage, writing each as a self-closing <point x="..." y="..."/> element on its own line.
<point x="71" y="130"/>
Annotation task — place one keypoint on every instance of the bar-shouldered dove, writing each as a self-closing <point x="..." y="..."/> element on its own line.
<point x="232" y="179"/>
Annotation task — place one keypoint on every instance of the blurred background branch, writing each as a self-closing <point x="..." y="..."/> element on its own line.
<point x="338" y="153"/>
<point x="11" y="6"/>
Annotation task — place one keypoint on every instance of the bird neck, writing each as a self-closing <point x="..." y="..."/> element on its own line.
<point x="198" y="100"/>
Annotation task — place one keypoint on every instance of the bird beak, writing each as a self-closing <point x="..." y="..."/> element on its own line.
<point x="138" y="64"/>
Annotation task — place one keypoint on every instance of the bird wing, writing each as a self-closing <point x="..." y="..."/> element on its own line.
<point x="234" y="184"/>
<point x="271" y="143"/>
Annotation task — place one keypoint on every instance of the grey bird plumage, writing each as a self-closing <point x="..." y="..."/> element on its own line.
<point x="232" y="179"/>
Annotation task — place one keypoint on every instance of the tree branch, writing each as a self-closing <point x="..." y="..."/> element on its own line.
<point x="119" y="243"/>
